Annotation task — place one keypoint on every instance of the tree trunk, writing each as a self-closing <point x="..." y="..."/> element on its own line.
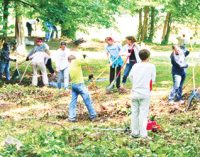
<point x="140" y="25"/>
<point x="5" y="4"/>
<point x="196" y="31"/>
<point x="145" y="23"/>
<point x="165" y="25"/>
<point x="152" y="24"/>
<point x="19" y="30"/>
<point x="166" y="37"/>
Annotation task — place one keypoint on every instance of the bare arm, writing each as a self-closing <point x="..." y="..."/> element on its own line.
<point x="154" y="74"/>
<point x="47" y="49"/>
<point x="31" y="52"/>
<point x="124" y="51"/>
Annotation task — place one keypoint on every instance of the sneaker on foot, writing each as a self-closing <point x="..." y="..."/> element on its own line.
<point x="135" y="136"/>
<point x="171" y="102"/>
<point x="181" y="102"/>
<point x="94" y="119"/>
<point x="122" y="90"/>
<point x="72" y="121"/>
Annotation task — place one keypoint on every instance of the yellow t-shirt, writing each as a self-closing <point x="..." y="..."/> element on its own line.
<point x="75" y="71"/>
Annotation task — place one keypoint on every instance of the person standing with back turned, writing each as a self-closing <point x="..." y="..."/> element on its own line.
<point x="142" y="75"/>
<point x="79" y="88"/>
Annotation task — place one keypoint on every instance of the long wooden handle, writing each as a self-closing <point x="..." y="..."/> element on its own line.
<point x="24" y="72"/>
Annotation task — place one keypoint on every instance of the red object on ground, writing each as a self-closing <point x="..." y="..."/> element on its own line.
<point x="151" y="85"/>
<point x="151" y="124"/>
<point x="155" y="128"/>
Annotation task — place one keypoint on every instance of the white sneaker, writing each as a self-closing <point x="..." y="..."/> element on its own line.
<point x="171" y="102"/>
<point x="181" y="102"/>
<point x="135" y="136"/>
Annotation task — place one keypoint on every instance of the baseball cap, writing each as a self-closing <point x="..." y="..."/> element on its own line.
<point x="39" y="40"/>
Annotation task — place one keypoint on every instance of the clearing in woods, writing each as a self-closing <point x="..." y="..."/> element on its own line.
<point x="37" y="117"/>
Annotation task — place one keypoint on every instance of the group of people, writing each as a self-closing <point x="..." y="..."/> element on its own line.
<point x="115" y="53"/>
<point x="137" y="67"/>
<point x="50" y="29"/>
<point x="66" y="65"/>
<point x="141" y="74"/>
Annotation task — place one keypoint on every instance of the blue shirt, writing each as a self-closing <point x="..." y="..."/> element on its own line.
<point x="114" y="50"/>
<point x="5" y="55"/>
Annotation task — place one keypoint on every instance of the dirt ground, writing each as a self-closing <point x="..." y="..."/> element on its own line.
<point x="51" y="103"/>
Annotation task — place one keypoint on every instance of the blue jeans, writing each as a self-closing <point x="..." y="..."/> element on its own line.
<point x="63" y="75"/>
<point x="127" y="71"/>
<point x="5" y="67"/>
<point x="80" y="89"/>
<point x="48" y="33"/>
<point x="176" y="92"/>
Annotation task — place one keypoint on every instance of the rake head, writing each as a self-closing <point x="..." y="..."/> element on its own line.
<point x="16" y="75"/>
<point x="110" y="87"/>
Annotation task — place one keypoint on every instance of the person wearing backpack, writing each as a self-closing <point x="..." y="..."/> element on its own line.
<point x="5" y="61"/>
<point x="115" y="60"/>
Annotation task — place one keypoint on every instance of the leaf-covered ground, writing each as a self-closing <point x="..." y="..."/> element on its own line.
<point x="37" y="117"/>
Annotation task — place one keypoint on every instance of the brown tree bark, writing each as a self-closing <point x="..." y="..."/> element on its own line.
<point x="140" y="25"/>
<point x="165" y="25"/>
<point x="19" y="29"/>
<point x="166" y="37"/>
<point x="152" y="24"/>
<point x="145" y="23"/>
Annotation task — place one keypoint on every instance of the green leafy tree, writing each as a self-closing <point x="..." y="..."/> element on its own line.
<point x="75" y="15"/>
<point x="181" y="11"/>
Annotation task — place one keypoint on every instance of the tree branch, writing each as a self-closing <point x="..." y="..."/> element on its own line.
<point x="28" y="4"/>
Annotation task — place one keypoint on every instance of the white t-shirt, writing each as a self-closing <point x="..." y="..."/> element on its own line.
<point x="136" y="48"/>
<point x="62" y="59"/>
<point x="140" y="76"/>
<point x="32" y="21"/>
<point x="39" y="57"/>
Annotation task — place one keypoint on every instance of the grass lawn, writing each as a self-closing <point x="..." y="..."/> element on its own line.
<point x="37" y="117"/>
<point x="96" y="46"/>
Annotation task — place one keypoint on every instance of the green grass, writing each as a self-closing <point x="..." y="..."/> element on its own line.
<point x="99" y="46"/>
<point x="179" y="136"/>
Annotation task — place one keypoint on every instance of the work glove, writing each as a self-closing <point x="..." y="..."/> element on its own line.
<point x="14" y="60"/>
<point x="185" y="66"/>
<point x="27" y="58"/>
<point x="90" y="77"/>
<point x="84" y="56"/>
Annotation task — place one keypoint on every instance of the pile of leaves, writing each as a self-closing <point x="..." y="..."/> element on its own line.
<point x="21" y="95"/>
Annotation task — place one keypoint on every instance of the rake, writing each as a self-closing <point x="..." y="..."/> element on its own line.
<point x="24" y="72"/>
<point x="16" y="74"/>
<point x="103" y="71"/>
<point x="110" y="87"/>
